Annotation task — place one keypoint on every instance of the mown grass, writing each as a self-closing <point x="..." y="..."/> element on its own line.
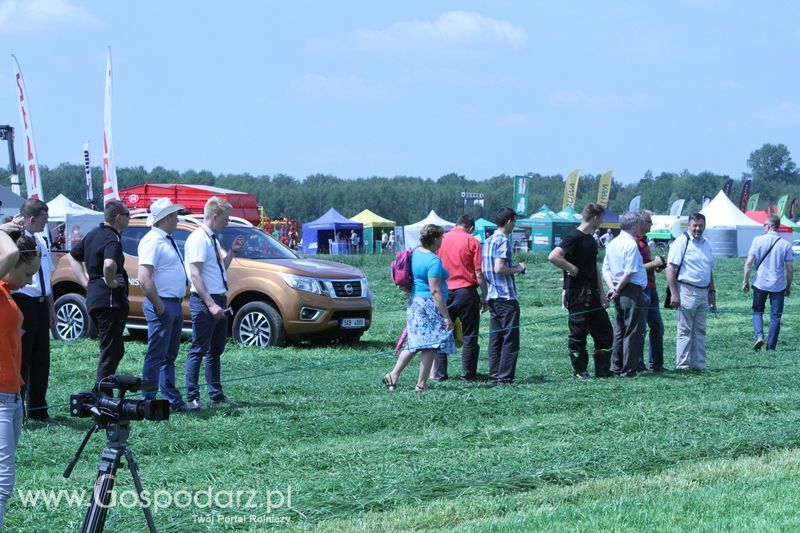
<point x="716" y="450"/>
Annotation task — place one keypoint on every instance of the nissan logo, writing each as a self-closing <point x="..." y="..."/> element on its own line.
<point x="348" y="288"/>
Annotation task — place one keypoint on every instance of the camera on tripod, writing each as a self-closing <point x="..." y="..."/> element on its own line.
<point x="114" y="414"/>
<point x="105" y="408"/>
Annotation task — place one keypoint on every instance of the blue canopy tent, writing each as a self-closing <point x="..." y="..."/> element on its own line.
<point x="610" y="220"/>
<point x="323" y="235"/>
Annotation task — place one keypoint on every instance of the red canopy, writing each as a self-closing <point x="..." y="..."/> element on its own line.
<point x="761" y="217"/>
<point x="192" y="197"/>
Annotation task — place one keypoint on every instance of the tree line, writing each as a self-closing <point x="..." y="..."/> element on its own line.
<point x="406" y="199"/>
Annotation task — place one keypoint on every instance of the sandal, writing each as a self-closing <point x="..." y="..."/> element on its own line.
<point x="420" y="389"/>
<point x="390" y="385"/>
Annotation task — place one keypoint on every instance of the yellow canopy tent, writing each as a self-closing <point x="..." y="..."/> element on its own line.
<point x="374" y="228"/>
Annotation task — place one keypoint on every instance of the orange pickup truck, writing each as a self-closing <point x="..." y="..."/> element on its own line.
<point x="275" y="295"/>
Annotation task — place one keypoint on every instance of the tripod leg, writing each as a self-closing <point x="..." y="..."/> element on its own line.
<point x="134" y="468"/>
<point x="101" y="493"/>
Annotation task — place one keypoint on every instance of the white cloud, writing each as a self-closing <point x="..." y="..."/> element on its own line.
<point x="578" y="98"/>
<point x="784" y="114"/>
<point x="316" y="85"/>
<point x="514" y="119"/>
<point x="22" y="16"/>
<point x="451" y="31"/>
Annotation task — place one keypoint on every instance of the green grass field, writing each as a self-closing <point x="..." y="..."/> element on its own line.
<point x="716" y="450"/>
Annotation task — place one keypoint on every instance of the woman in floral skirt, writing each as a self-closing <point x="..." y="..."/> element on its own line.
<point x="429" y="326"/>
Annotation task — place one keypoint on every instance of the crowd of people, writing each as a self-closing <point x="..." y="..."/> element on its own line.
<point x="448" y="270"/>
<point x="165" y="275"/>
<point x="455" y="278"/>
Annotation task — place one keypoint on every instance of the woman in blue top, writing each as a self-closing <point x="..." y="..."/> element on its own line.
<point x="429" y="326"/>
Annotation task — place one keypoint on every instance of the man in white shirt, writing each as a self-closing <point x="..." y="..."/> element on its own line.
<point x="353" y="242"/>
<point x="771" y="254"/>
<point x="207" y="267"/>
<point x="163" y="280"/>
<point x="626" y="279"/>
<point x="691" y="283"/>
<point x="35" y="301"/>
<point x="606" y="238"/>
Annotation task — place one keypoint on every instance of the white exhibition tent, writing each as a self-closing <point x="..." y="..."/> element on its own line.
<point x="411" y="232"/>
<point x="77" y="220"/>
<point x="721" y="213"/>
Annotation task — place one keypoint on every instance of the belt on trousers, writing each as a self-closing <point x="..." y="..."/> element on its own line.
<point x="692" y="285"/>
<point x="172" y="299"/>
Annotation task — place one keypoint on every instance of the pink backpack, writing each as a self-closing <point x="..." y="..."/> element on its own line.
<point x="401" y="270"/>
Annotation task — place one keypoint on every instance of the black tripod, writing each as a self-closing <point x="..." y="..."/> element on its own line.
<point x="110" y="461"/>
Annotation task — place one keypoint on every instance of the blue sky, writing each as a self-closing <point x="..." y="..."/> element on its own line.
<point x="418" y="88"/>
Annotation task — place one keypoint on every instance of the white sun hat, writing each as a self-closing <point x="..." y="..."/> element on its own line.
<point x="161" y="208"/>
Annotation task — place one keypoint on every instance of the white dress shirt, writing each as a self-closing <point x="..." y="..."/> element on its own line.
<point x="34" y="290"/>
<point x="622" y="257"/>
<point x="698" y="261"/>
<point x="169" y="275"/>
<point x="200" y="248"/>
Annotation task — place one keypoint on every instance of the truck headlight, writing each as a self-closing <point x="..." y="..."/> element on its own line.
<point x="302" y="283"/>
<point x="364" y="287"/>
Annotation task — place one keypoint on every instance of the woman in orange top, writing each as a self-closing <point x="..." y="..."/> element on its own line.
<point x="19" y="261"/>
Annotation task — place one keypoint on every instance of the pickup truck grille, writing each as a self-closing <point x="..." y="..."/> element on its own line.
<point x="347" y="288"/>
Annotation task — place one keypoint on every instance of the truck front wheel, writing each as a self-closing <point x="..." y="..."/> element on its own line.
<point x="259" y="324"/>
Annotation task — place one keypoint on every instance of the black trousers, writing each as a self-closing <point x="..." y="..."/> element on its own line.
<point x="503" y="340"/>
<point x="464" y="304"/>
<point x="35" y="354"/>
<point x="110" y="328"/>
<point x="587" y="317"/>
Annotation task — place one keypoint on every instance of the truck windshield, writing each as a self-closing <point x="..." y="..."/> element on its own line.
<point x="257" y="244"/>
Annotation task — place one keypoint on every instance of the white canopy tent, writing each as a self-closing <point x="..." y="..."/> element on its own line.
<point x="722" y="214"/>
<point x="77" y="220"/>
<point x="412" y="231"/>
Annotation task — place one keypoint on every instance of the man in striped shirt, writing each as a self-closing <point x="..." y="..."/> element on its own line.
<point x="502" y="299"/>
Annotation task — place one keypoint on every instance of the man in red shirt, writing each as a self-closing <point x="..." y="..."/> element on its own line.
<point x="461" y="256"/>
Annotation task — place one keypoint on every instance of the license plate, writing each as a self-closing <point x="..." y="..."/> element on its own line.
<point x="353" y="323"/>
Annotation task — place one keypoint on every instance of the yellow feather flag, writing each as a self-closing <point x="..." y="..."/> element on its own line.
<point x="604" y="190"/>
<point x="571" y="188"/>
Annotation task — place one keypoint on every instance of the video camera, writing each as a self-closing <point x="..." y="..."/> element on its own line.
<point x="104" y="408"/>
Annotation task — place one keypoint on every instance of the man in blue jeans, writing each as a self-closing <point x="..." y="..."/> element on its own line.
<point x="207" y="267"/>
<point x="163" y="280"/>
<point x="651" y="300"/>
<point x="771" y="254"/>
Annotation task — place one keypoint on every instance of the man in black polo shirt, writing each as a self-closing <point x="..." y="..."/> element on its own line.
<point x="107" y="285"/>
<point x="584" y="298"/>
